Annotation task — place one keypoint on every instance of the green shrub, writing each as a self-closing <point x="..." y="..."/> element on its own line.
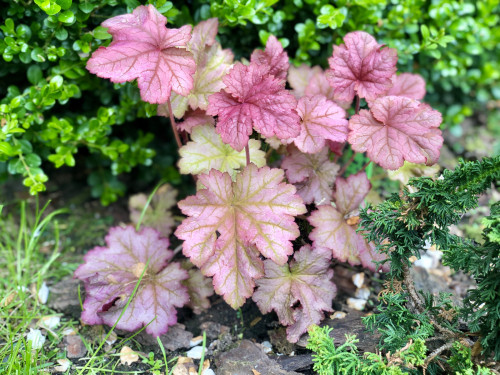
<point x="52" y="109"/>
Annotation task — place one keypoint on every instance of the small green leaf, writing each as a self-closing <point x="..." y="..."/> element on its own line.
<point x="56" y="82"/>
<point x="425" y="32"/>
<point x="38" y="55"/>
<point x="101" y="33"/>
<point x="35" y="74"/>
<point x="67" y="17"/>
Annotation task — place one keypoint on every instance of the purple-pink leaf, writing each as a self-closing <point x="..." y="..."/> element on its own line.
<point x="313" y="175"/>
<point x="397" y="129"/>
<point x="299" y="78"/>
<point x="361" y="67"/>
<point x="273" y="57"/>
<point x="111" y="273"/>
<point x="195" y="118"/>
<point x="299" y="293"/>
<point x="231" y="224"/>
<point x="409" y="85"/>
<point x="335" y="227"/>
<point x="321" y="119"/>
<point x="144" y="49"/>
<point x="253" y="98"/>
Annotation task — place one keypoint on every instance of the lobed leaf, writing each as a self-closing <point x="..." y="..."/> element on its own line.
<point x="299" y="293"/>
<point x="231" y="224"/>
<point x="408" y="85"/>
<point x="144" y="49"/>
<point x="207" y="151"/>
<point x="335" y="227"/>
<point x="361" y="67"/>
<point x="312" y="174"/>
<point x="195" y="118"/>
<point x="396" y="129"/>
<point x="273" y="57"/>
<point x="110" y="274"/>
<point x="321" y="120"/>
<point x="253" y="98"/>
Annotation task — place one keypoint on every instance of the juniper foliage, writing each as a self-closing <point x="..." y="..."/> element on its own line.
<point x="404" y="224"/>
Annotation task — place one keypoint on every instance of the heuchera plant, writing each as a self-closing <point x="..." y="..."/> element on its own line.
<point x="240" y="227"/>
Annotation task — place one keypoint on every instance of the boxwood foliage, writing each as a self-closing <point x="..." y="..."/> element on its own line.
<point x="53" y="110"/>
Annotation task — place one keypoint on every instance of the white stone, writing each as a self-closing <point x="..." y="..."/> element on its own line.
<point x="36" y="338"/>
<point x="49" y="321"/>
<point x="267" y="347"/>
<point x="362" y="293"/>
<point x="195" y="341"/>
<point x="356" y="303"/>
<point x="43" y="293"/>
<point x="338" y="315"/>
<point x="358" y="279"/>
<point x="425" y="262"/>
<point x="195" y="352"/>
<point x="208" y="371"/>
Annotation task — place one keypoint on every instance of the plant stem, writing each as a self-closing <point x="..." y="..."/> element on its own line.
<point x="173" y="124"/>
<point x="247" y="152"/>
<point x="437" y="352"/>
<point x="357" y="104"/>
<point x="351" y="159"/>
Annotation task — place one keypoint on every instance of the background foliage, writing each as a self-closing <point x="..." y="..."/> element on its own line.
<point x="54" y="113"/>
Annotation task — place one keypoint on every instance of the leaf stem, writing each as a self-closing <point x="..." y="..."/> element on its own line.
<point x="357" y="104"/>
<point x="247" y="152"/>
<point x="173" y="124"/>
<point x="348" y="162"/>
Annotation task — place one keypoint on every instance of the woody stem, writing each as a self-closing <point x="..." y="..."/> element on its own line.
<point x="357" y="104"/>
<point x="173" y="124"/>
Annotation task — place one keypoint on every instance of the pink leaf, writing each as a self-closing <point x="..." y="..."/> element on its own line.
<point x="273" y="57"/>
<point x="321" y="119"/>
<point x="299" y="78"/>
<point x="335" y="227"/>
<point x="195" y="118"/>
<point x="306" y="282"/>
<point x="231" y="224"/>
<point x="336" y="147"/>
<point x="144" y="49"/>
<point x="361" y="67"/>
<point x="313" y="175"/>
<point x="253" y="98"/>
<point x="397" y="129"/>
<point x="110" y="274"/>
<point x="409" y="85"/>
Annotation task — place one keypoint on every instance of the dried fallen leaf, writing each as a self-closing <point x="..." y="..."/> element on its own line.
<point x="128" y="356"/>
<point x="255" y="372"/>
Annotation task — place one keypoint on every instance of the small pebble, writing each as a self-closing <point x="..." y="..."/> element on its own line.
<point x="338" y="315"/>
<point x="195" y="352"/>
<point x="362" y="293"/>
<point x="64" y="365"/>
<point x="425" y="262"/>
<point x="266" y="345"/>
<point x="358" y="279"/>
<point x="49" y="322"/>
<point x="208" y="371"/>
<point x="43" y="293"/>
<point x="36" y="338"/>
<point x="356" y="303"/>
<point x="195" y="341"/>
